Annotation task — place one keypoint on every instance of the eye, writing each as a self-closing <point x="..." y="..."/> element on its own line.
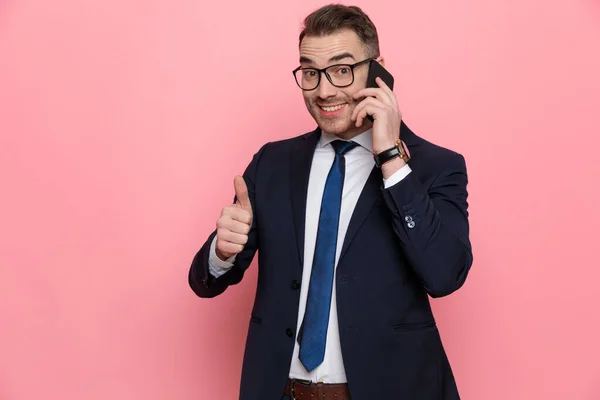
<point x="309" y="73"/>
<point x="340" y="70"/>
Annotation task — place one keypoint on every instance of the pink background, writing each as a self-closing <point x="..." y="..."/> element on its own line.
<point x="115" y="117"/>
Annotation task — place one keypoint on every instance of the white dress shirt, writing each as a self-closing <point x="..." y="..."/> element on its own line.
<point x="359" y="164"/>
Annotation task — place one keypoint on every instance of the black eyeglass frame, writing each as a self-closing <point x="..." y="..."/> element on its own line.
<point x="322" y="71"/>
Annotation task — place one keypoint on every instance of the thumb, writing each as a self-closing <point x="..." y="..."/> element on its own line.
<point x="241" y="192"/>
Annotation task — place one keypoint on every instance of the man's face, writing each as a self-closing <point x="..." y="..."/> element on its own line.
<point x="330" y="106"/>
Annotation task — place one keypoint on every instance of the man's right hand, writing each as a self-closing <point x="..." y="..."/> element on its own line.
<point x="234" y="223"/>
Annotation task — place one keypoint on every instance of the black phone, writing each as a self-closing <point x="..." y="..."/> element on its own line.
<point x="377" y="70"/>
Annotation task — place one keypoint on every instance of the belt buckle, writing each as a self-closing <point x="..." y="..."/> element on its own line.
<point x="292" y="390"/>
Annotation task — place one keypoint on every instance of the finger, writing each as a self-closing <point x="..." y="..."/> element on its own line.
<point x="369" y="109"/>
<point x="232" y="237"/>
<point x="354" y="116"/>
<point x="235" y="213"/>
<point x="383" y="92"/>
<point x="358" y="115"/>
<point x="242" y="228"/>
<point x="241" y="192"/>
<point x="228" y="248"/>
<point x="387" y="90"/>
<point x="377" y="93"/>
<point x="360" y="105"/>
<point x="381" y="83"/>
<point x="243" y="216"/>
<point x="370" y="104"/>
<point x="240" y="214"/>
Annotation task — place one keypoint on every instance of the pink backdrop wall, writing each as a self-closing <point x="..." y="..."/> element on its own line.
<point x="114" y="116"/>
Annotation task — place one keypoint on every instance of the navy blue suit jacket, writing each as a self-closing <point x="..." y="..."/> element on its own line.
<point x="389" y="339"/>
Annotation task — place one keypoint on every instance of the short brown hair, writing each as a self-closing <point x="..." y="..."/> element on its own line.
<point x="336" y="17"/>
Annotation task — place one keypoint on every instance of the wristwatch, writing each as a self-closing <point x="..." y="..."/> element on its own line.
<point x="390" y="154"/>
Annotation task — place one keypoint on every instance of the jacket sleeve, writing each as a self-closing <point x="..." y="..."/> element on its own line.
<point x="432" y="226"/>
<point x="200" y="279"/>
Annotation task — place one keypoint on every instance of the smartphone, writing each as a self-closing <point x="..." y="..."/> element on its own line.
<point x="377" y="70"/>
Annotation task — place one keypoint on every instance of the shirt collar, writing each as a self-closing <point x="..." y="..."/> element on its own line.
<point x="365" y="139"/>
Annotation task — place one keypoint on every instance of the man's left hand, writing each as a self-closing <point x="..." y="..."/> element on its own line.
<point x="382" y="105"/>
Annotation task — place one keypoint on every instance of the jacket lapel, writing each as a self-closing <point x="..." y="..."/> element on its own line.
<point x="301" y="162"/>
<point x="408" y="136"/>
<point x="371" y="193"/>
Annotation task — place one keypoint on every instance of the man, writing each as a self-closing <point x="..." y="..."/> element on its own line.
<point x="354" y="229"/>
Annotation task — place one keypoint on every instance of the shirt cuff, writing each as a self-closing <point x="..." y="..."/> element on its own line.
<point x="216" y="266"/>
<point x="397" y="176"/>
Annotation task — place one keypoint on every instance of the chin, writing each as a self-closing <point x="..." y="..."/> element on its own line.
<point x="334" y="126"/>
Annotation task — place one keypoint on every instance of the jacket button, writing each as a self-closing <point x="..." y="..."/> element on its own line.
<point x="295" y="285"/>
<point x="289" y="332"/>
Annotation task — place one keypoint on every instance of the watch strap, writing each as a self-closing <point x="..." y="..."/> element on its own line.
<point x="390" y="154"/>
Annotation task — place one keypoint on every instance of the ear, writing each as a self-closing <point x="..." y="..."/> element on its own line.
<point x="381" y="61"/>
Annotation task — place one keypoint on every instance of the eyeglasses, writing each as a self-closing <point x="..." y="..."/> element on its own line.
<point x="339" y="75"/>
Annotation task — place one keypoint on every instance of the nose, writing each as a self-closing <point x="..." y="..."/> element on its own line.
<point x="326" y="89"/>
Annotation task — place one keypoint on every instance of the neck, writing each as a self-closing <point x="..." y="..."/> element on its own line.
<point x="352" y="133"/>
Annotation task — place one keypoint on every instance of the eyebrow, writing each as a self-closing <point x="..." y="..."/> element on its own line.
<point x="338" y="57"/>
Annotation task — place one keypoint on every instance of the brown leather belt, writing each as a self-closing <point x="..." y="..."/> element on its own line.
<point x="303" y="390"/>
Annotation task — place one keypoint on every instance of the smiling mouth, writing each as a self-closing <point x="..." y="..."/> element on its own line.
<point x="332" y="108"/>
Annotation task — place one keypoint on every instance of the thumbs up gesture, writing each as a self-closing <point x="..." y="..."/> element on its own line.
<point x="234" y="223"/>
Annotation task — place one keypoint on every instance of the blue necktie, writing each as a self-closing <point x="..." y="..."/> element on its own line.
<point x="316" y="317"/>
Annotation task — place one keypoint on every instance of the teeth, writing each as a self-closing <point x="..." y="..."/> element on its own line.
<point x="334" y="108"/>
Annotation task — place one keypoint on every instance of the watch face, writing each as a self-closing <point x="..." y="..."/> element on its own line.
<point x="404" y="154"/>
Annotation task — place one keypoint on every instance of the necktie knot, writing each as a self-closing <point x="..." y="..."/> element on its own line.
<point x="341" y="146"/>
